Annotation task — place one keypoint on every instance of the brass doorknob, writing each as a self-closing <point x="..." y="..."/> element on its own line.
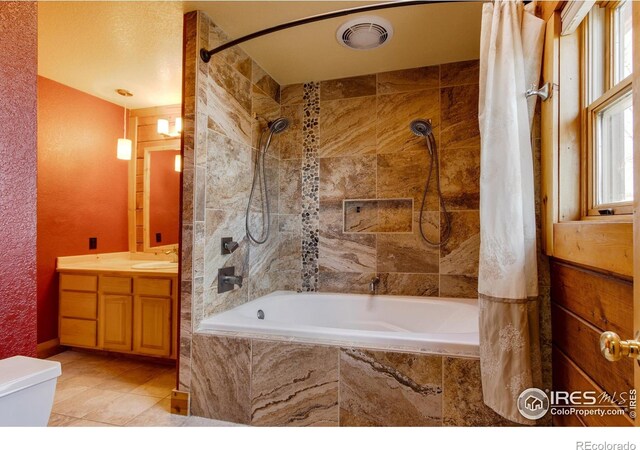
<point x="613" y="349"/>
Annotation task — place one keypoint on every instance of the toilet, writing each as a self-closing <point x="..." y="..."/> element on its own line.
<point x="27" y="387"/>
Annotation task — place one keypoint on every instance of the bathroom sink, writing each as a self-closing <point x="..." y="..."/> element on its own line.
<point x="156" y="265"/>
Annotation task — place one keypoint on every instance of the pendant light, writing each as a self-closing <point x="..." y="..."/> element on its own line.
<point x="124" y="144"/>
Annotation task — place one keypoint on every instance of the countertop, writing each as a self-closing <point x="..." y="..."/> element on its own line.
<point x="115" y="262"/>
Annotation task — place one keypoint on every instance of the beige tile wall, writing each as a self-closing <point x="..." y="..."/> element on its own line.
<point x="367" y="152"/>
<point x="269" y="383"/>
<point x="221" y="102"/>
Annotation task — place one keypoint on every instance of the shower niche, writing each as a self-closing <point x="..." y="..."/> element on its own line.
<point x="390" y="215"/>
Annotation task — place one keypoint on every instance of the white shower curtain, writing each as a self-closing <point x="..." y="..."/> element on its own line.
<point x="510" y="56"/>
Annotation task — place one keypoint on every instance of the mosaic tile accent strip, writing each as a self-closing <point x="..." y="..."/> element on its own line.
<point x="310" y="186"/>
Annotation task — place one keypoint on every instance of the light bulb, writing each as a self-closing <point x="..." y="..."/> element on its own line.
<point x="163" y="126"/>
<point x="124" y="149"/>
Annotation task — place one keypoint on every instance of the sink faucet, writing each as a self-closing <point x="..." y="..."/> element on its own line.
<point x="173" y="251"/>
<point x="373" y="285"/>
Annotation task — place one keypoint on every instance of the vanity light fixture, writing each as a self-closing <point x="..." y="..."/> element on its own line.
<point x="124" y="145"/>
<point x="163" y="127"/>
<point x="177" y="164"/>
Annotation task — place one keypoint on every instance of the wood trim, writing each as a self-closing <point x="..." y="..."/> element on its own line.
<point x="155" y="112"/>
<point x="604" y="301"/>
<point x="636" y="166"/>
<point x="180" y="402"/>
<point x="131" y="183"/>
<point x="168" y="145"/>
<point x="570" y="127"/>
<point x="567" y="376"/>
<point x="545" y="9"/>
<point x="580" y="341"/>
<point x="549" y="133"/>
<point x="604" y="245"/>
<point x="49" y="348"/>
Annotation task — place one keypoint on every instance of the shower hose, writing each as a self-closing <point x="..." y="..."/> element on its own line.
<point x="260" y="176"/>
<point x="446" y="233"/>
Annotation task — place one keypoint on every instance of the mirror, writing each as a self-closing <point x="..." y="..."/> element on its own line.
<point x="161" y="212"/>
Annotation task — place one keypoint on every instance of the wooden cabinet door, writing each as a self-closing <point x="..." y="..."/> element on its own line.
<point x="152" y="326"/>
<point x="116" y="322"/>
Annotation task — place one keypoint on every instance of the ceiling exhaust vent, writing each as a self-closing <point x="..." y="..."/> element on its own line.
<point x="365" y="33"/>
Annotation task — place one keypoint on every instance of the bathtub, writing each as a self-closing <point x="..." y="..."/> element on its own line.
<point x="416" y="324"/>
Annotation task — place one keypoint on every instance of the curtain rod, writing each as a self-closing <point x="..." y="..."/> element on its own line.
<point x="207" y="54"/>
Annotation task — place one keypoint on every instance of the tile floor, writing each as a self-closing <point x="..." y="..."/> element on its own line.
<point x="100" y="391"/>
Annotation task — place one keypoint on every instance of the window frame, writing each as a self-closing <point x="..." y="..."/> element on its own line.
<point x="612" y="93"/>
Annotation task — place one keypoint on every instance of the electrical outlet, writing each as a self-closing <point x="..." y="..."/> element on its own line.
<point x="93" y="243"/>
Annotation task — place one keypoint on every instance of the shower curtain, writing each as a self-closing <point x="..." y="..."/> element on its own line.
<point x="510" y="57"/>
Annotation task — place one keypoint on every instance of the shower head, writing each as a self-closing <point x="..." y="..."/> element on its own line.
<point x="278" y="125"/>
<point x="421" y="127"/>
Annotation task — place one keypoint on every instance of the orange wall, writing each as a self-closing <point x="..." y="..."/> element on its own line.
<point x="164" y="198"/>
<point x="18" y="41"/>
<point x="82" y="187"/>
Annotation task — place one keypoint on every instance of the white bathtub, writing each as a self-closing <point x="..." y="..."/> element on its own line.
<point x="420" y="324"/>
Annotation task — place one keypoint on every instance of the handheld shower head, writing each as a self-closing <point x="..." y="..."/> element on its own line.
<point x="421" y="127"/>
<point x="278" y="125"/>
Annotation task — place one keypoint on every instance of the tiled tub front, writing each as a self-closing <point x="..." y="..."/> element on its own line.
<point x="276" y="383"/>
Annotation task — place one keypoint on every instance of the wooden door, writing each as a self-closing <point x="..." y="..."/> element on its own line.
<point x="152" y="326"/>
<point x="593" y="264"/>
<point x="622" y="348"/>
<point x="636" y="182"/>
<point x="116" y="322"/>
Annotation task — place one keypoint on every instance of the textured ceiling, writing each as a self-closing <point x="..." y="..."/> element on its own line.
<point x="100" y="46"/>
<point x="423" y="35"/>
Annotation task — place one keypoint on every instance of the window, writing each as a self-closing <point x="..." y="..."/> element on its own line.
<point x="622" y="41"/>
<point x="608" y="112"/>
<point x="613" y="159"/>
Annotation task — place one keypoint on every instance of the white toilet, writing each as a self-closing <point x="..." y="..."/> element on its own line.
<point x="27" y="387"/>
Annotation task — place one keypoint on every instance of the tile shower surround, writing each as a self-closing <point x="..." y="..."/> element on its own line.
<point x="356" y="144"/>
<point x="220" y="141"/>
<point x="347" y="139"/>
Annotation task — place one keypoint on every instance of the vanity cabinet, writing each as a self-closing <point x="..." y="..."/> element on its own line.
<point x="119" y="312"/>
